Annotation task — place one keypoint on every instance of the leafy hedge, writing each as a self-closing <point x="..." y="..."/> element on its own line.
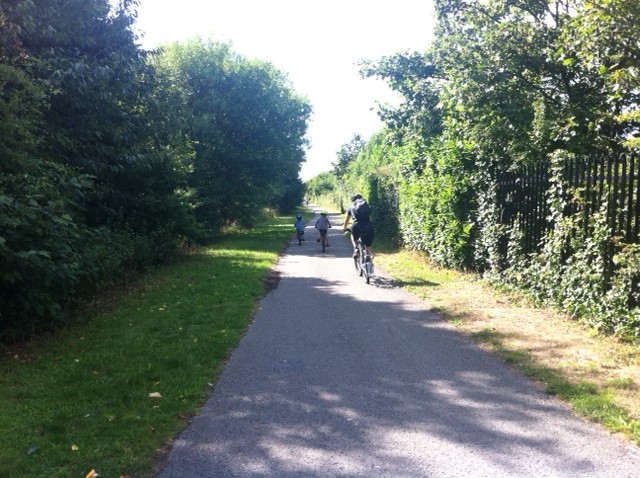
<point x="505" y="85"/>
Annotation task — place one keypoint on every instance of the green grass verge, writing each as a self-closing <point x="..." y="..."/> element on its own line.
<point x="109" y="394"/>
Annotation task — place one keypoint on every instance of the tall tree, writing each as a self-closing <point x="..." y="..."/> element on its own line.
<point x="247" y="126"/>
<point x="600" y="38"/>
<point x="346" y="154"/>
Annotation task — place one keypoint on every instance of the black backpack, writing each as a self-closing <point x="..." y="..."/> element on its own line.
<point x="361" y="209"/>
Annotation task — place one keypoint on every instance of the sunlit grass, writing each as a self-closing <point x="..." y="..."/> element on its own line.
<point x="111" y="393"/>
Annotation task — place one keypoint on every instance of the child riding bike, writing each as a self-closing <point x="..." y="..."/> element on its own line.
<point x="322" y="225"/>
<point x="299" y="225"/>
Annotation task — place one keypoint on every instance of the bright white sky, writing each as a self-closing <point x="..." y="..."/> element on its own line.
<point x="317" y="42"/>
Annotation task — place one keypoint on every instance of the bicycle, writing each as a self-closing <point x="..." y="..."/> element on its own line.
<point x="300" y="235"/>
<point x="363" y="260"/>
<point x="324" y="241"/>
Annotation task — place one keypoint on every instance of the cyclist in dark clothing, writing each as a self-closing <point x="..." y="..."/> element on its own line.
<point x="361" y="227"/>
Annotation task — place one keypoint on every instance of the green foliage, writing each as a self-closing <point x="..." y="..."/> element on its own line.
<point x="38" y="247"/>
<point x="38" y="202"/>
<point x="418" y="78"/>
<point x="323" y="190"/>
<point x="436" y="205"/>
<point x="112" y="161"/>
<point x="347" y="153"/>
<point x="601" y="39"/>
<point x="418" y="195"/>
<point x="490" y="233"/>
<point x="623" y="298"/>
<point x="247" y="127"/>
<point x="370" y="172"/>
<point x="571" y="271"/>
<point x="509" y="84"/>
<point x="383" y="195"/>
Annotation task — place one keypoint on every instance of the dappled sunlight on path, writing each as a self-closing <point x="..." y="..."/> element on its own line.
<point x="337" y="378"/>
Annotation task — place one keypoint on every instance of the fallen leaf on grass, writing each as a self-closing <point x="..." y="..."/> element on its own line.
<point x="74" y="447"/>
<point x="92" y="474"/>
<point x="155" y="395"/>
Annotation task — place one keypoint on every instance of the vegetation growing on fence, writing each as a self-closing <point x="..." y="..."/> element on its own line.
<point x="588" y="262"/>
<point x="509" y="93"/>
<point x="113" y="157"/>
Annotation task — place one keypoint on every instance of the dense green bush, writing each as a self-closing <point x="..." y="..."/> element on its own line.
<point x="247" y="126"/>
<point x="114" y="158"/>
<point x="419" y="196"/>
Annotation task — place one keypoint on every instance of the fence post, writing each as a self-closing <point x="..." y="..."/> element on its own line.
<point x="636" y="228"/>
<point x="628" y="235"/>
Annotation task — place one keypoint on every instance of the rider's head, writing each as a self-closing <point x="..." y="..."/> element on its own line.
<point x="355" y="196"/>
<point x="299" y="216"/>
<point x="323" y="213"/>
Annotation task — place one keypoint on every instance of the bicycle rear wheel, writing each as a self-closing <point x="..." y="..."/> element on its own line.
<point x="368" y="270"/>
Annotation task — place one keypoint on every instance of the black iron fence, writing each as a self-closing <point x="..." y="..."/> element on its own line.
<point x="592" y="182"/>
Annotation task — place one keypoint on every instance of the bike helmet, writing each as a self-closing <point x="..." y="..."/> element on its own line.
<point x="355" y="196"/>
<point x="299" y="216"/>
<point x="323" y="213"/>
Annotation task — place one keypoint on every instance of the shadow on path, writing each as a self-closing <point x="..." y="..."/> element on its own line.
<point x="339" y="379"/>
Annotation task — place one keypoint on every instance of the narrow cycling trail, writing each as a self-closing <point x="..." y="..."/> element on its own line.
<point x="337" y="378"/>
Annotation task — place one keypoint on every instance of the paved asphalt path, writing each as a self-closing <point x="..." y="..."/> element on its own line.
<point x="336" y="378"/>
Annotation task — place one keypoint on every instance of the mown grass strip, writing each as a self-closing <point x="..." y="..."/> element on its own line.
<point x="110" y="393"/>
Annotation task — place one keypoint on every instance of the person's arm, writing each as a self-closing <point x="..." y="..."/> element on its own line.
<point x="346" y="220"/>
